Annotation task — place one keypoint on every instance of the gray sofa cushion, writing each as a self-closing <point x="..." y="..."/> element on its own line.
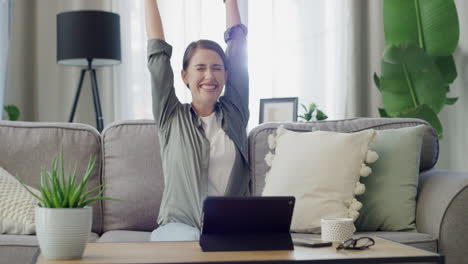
<point x="132" y="171"/>
<point x="125" y="236"/>
<point x="22" y="248"/>
<point x="258" y="140"/>
<point x="29" y="146"/>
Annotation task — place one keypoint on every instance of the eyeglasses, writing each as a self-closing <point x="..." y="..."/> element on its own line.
<point x="358" y="243"/>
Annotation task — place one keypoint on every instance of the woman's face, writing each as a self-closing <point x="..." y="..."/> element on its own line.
<point x="205" y="76"/>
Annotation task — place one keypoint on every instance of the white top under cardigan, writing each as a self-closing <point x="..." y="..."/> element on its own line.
<point x="222" y="155"/>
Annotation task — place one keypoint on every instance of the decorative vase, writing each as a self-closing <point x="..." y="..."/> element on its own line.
<point x="63" y="232"/>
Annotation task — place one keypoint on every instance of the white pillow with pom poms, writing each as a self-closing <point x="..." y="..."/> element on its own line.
<point x="322" y="170"/>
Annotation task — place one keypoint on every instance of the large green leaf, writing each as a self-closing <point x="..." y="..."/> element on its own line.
<point x="383" y="113"/>
<point x="430" y="24"/>
<point x="447" y="68"/>
<point x="426" y="113"/>
<point x="451" y="101"/>
<point x="410" y="78"/>
<point x="376" y="80"/>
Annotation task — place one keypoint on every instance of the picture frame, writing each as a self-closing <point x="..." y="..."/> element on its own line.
<point x="278" y="109"/>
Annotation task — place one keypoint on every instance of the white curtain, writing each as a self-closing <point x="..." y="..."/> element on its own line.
<point x="131" y="81"/>
<point x="183" y="21"/>
<point x="303" y="48"/>
<point x="4" y="40"/>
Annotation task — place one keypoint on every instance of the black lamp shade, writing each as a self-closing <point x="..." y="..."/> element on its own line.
<point x="84" y="36"/>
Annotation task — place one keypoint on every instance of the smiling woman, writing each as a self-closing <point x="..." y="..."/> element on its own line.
<point x="203" y="143"/>
<point x="204" y="73"/>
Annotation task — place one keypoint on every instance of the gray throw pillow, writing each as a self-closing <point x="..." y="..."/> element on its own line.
<point x="389" y="203"/>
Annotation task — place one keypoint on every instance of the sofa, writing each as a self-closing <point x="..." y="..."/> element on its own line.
<point x="130" y="167"/>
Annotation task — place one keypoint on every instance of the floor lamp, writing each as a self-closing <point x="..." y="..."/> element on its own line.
<point x="88" y="39"/>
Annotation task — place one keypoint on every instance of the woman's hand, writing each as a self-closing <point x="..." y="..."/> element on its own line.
<point x="232" y="13"/>
<point x="154" y="29"/>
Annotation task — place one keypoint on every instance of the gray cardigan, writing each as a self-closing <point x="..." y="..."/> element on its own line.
<point x="185" y="151"/>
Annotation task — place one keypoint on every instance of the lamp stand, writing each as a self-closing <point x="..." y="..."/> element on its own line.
<point x="96" y="100"/>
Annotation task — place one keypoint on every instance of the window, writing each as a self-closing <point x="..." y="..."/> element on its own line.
<point x="297" y="48"/>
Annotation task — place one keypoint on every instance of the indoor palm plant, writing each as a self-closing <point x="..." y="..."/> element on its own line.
<point x="418" y="66"/>
<point x="63" y="216"/>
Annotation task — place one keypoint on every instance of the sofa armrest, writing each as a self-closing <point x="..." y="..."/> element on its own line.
<point x="442" y="211"/>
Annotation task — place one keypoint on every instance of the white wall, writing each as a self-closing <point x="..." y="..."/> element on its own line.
<point x="454" y="146"/>
<point x="4" y="17"/>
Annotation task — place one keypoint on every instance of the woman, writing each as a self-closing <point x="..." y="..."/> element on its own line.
<point x="204" y="143"/>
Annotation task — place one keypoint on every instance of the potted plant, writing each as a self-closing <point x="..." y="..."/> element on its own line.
<point x="418" y="66"/>
<point x="312" y="113"/>
<point x="12" y="112"/>
<point x="63" y="216"/>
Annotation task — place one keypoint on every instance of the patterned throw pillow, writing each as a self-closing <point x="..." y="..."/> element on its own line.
<point x="16" y="206"/>
<point x="322" y="170"/>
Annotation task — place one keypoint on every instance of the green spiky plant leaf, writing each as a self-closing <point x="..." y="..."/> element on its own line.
<point x="60" y="189"/>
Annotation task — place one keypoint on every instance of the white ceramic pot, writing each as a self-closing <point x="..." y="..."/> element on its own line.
<point x="63" y="232"/>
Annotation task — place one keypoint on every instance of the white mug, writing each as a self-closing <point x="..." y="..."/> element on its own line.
<point x="337" y="229"/>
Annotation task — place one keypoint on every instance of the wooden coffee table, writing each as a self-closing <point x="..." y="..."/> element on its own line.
<point x="384" y="251"/>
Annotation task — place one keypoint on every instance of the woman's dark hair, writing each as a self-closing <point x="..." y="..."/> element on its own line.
<point x="202" y="44"/>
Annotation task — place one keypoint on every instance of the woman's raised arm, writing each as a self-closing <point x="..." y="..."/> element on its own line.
<point x="154" y="29"/>
<point x="232" y="13"/>
<point x="237" y="84"/>
<point x="165" y="101"/>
